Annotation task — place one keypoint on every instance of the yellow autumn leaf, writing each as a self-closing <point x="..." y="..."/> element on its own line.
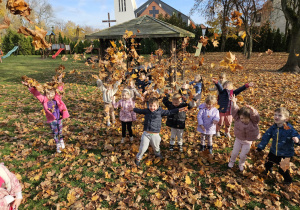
<point x="218" y="203"/>
<point x="95" y="197"/>
<point x="188" y="179"/>
<point x="212" y="65"/>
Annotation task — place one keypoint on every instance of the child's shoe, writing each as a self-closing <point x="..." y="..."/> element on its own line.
<point x="180" y="148"/>
<point x="228" y="135"/>
<point x="62" y="144"/>
<point x="131" y="138"/>
<point x="58" y="147"/>
<point x="210" y="149"/>
<point x="202" y="147"/>
<point x="137" y="162"/>
<point x="113" y="122"/>
<point x="171" y="148"/>
<point x="108" y="123"/>
<point x="230" y="164"/>
<point x="218" y="135"/>
<point x="122" y="140"/>
<point x="160" y="156"/>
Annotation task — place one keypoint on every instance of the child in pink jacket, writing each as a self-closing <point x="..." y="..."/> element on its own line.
<point x="246" y="131"/>
<point x="126" y="113"/>
<point x="55" y="111"/>
<point x="10" y="190"/>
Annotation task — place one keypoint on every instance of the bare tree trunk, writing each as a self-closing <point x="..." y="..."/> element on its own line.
<point x="250" y="45"/>
<point x="245" y="45"/>
<point x="292" y="15"/>
<point x="293" y="62"/>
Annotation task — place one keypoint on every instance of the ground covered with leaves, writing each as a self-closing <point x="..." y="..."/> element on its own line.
<point x="96" y="171"/>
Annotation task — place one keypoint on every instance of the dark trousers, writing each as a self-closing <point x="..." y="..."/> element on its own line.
<point x="128" y="125"/>
<point x="276" y="159"/>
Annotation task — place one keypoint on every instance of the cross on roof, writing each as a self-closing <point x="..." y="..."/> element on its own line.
<point x="153" y="12"/>
<point x="108" y="21"/>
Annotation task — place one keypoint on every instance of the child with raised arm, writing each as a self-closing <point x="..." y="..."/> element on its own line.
<point x="246" y="131"/>
<point x="177" y="121"/>
<point x="208" y="117"/>
<point x="108" y="91"/>
<point x="127" y="116"/>
<point x="284" y="138"/>
<point x="133" y="91"/>
<point x="10" y="190"/>
<point x="225" y="105"/>
<point x="198" y="84"/>
<point x="54" y="107"/>
<point x="152" y="126"/>
<point x="222" y="80"/>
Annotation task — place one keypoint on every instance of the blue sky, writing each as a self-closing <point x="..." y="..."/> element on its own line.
<point x="92" y="12"/>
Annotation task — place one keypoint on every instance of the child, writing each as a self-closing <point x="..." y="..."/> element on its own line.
<point x="225" y="105"/>
<point x="177" y="121"/>
<point x="284" y="136"/>
<point x="222" y="80"/>
<point x="208" y="117"/>
<point x="199" y="86"/>
<point x="54" y="108"/>
<point x="1" y="54"/>
<point x="185" y="92"/>
<point x="10" y="190"/>
<point x="142" y="82"/>
<point x="152" y="126"/>
<point x="108" y="93"/>
<point x="246" y="131"/>
<point x="134" y="93"/>
<point x="126" y="113"/>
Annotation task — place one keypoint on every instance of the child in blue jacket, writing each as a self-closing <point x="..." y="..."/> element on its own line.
<point x="284" y="137"/>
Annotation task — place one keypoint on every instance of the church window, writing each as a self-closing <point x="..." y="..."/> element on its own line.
<point x="119" y="5"/>
<point x="125" y="5"/>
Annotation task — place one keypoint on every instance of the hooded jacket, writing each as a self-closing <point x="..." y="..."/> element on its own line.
<point x="44" y="100"/>
<point x="282" y="144"/>
<point x="152" y="121"/>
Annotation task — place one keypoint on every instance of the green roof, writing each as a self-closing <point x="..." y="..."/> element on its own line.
<point x="148" y="26"/>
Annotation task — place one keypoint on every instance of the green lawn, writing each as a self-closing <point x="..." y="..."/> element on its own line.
<point x="96" y="171"/>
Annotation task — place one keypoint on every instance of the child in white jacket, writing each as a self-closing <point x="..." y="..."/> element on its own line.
<point x="108" y="91"/>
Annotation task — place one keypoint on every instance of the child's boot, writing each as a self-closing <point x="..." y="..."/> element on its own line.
<point x="228" y="135"/>
<point x="122" y="140"/>
<point x="131" y="138"/>
<point x="218" y="135"/>
<point x="58" y="147"/>
<point x="171" y="148"/>
<point x="210" y="149"/>
<point x="180" y="148"/>
<point x="202" y="147"/>
<point x="137" y="162"/>
<point x="108" y="123"/>
<point x="62" y="144"/>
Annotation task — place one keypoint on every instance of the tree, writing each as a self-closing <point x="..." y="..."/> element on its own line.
<point x="211" y="8"/>
<point x="42" y="12"/>
<point x="249" y="9"/>
<point x="291" y="10"/>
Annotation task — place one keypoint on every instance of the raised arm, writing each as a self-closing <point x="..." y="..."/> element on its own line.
<point x="254" y="116"/>
<point x="100" y="85"/>
<point x="166" y="101"/>
<point x="218" y="86"/>
<point x="37" y="94"/>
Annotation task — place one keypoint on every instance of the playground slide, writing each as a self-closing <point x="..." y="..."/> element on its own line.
<point x="10" y="52"/>
<point x="57" y="53"/>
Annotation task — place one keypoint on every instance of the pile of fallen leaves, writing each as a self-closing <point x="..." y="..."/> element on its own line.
<point x="97" y="171"/>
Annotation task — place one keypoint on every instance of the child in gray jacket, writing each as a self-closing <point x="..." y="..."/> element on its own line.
<point x="152" y="126"/>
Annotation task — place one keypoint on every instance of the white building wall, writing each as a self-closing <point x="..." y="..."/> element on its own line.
<point x="124" y="10"/>
<point x="277" y="18"/>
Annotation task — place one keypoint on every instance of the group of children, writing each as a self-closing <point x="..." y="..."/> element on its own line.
<point x="210" y="119"/>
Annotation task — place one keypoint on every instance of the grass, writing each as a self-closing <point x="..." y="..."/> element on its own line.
<point x="87" y="167"/>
